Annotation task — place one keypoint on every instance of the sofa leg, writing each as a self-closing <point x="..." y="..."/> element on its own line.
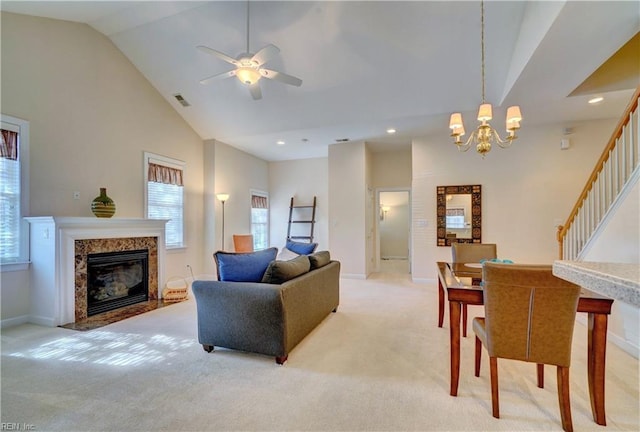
<point x="207" y="348"/>
<point x="335" y="310"/>
<point x="281" y="359"/>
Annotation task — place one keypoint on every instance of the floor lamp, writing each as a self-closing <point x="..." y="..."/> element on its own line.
<point x="222" y="197"/>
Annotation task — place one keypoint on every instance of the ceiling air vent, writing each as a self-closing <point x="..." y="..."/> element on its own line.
<point x="182" y="100"/>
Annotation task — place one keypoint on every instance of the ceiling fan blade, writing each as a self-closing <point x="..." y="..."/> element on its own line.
<point x="218" y="54"/>
<point x="280" y="76"/>
<point x="218" y="76"/>
<point x="263" y="56"/>
<point x="255" y="90"/>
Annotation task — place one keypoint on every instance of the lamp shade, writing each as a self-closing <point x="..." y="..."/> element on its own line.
<point x="222" y="197"/>
<point x="456" y="121"/>
<point x="247" y="75"/>
<point x="513" y="114"/>
<point x="485" y="112"/>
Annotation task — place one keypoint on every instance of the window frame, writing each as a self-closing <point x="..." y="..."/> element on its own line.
<point x="22" y="127"/>
<point x="261" y="193"/>
<point x="171" y="163"/>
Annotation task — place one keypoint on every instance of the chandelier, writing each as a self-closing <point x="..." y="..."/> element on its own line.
<point x="485" y="134"/>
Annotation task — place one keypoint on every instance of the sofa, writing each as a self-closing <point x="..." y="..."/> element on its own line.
<point x="265" y="310"/>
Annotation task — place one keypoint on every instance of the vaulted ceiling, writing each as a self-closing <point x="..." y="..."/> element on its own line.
<point x="369" y="66"/>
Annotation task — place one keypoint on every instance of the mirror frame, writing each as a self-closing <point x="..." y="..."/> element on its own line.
<point x="476" y="213"/>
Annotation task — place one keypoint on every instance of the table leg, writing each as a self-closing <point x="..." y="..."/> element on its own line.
<point x="440" y="303"/>
<point x="454" y="340"/>
<point x="597" y="350"/>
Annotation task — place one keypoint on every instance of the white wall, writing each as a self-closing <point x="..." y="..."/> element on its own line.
<point x="92" y="115"/>
<point x="391" y="169"/>
<point x="526" y="189"/>
<point x="619" y="242"/>
<point x="347" y="193"/>
<point x="302" y="179"/>
<point x="236" y="173"/>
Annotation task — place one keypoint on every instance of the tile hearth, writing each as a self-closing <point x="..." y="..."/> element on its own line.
<point x="106" y="318"/>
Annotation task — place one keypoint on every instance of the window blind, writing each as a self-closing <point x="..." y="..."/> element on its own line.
<point x="260" y="221"/>
<point x="165" y="200"/>
<point x="10" y="213"/>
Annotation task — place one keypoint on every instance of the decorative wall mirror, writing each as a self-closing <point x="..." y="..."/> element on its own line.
<point x="459" y="214"/>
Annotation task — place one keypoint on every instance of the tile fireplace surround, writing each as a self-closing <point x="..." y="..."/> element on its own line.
<point x="59" y="246"/>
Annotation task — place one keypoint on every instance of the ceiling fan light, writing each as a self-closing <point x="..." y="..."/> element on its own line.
<point x="247" y="75"/>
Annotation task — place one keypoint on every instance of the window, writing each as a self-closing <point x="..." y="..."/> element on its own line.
<point x="14" y="188"/>
<point x="455" y="218"/>
<point x="260" y="220"/>
<point x="164" y="196"/>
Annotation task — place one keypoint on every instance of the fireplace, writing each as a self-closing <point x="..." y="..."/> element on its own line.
<point x="58" y="272"/>
<point x="116" y="280"/>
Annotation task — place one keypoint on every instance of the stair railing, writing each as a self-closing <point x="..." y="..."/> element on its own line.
<point x="616" y="165"/>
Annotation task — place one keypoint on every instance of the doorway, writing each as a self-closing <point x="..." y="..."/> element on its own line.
<point x="394" y="231"/>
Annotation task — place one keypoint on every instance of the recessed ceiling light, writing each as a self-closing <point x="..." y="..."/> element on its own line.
<point x="391" y="131"/>
<point x="595" y="100"/>
<point x="280" y="142"/>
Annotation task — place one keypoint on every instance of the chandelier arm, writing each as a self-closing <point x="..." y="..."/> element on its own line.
<point x="504" y="143"/>
<point x="467" y="145"/>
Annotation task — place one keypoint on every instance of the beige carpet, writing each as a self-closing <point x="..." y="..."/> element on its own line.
<point x="379" y="364"/>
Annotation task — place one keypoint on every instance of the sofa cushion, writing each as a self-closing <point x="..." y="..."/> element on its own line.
<point x="319" y="259"/>
<point x="281" y="271"/>
<point x="301" y="248"/>
<point x="243" y="267"/>
<point x="286" y="255"/>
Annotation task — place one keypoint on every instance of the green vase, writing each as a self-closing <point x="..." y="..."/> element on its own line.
<point x="102" y="206"/>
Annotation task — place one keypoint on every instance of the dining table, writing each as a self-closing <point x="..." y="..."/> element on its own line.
<point x="462" y="285"/>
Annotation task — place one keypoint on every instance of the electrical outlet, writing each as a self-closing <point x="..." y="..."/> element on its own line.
<point x="76" y="195"/>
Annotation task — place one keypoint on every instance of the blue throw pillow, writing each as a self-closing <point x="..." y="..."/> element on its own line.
<point x="243" y="267"/>
<point x="301" y="248"/>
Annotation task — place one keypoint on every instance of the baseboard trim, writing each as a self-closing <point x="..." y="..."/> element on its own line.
<point x="353" y="276"/>
<point x="424" y="280"/>
<point x="12" y="322"/>
<point x="43" y="321"/>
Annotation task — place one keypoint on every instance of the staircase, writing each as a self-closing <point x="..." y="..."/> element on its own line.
<point x="617" y="170"/>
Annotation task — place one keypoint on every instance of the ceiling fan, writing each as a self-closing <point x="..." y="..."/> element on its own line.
<point x="249" y="68"/>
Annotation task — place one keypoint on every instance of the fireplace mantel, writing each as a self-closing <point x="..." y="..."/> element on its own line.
<point x="52" y="270"/>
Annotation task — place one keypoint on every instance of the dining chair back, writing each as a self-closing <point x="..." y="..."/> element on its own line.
<point x="243" y="242"/>
<point x="529" y="316"/>
<point x="471" y="253"/>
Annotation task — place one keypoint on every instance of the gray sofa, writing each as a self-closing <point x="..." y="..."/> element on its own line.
<point x="265" y="318"/>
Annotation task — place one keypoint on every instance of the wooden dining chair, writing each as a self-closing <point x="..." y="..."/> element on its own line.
<point x="471" y="253"/>
<point x="243" y="242"/>
<point x="529" y="316"/>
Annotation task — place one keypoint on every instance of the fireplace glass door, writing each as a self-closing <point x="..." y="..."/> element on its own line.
<point x="116" y="280"/>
